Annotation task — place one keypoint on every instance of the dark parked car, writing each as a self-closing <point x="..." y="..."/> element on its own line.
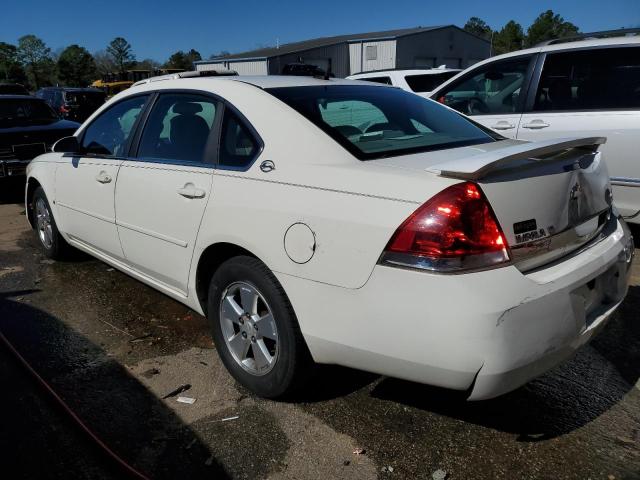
<point x="75" y="104"/>
<point x="28" y="128"/>
<point x="13" y="89"/>
<point x="304" y="70"/>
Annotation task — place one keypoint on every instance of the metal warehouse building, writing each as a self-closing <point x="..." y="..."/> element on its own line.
<point x="362" y="52"/>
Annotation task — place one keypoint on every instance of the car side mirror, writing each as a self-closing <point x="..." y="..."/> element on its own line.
<point x="67" y="145"/>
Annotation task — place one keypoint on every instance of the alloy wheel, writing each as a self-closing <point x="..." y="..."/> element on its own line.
<point x="248" y="328"/>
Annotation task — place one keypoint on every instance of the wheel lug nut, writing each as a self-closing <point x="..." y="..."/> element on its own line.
<point x="244" y="334"/>
<point x="253" y="339"/>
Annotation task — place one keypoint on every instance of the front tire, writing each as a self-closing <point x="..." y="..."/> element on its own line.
<point x="255" y="329"/>
<point x="52" y="243"/>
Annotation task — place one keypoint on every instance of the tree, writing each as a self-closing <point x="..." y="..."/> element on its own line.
<point x="509" y="38"/>
<point x="104" y="62"/>
<point x="547" y="27"/>
<point x="147" y="64"/>
<point x="10" y="68"/>
<point x="34" y="54"/>
<point x="76" y="66"/>
<point x="120" y="51"/>
<point x="478" y="27"/>
<point x="183" y="60"/>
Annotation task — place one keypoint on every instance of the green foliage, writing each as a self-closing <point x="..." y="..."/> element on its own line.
<point x="10" y="68"/>
<point x="183" y="60"/>
<point x="478" y="27"/>
<point x="121" y="52"/>
<point x="508" y="39"/>
<point x="35" y="56"/>
<point x="511" y="36"/>
<point x="547" y="27"/>
<point x="76" y="67"/>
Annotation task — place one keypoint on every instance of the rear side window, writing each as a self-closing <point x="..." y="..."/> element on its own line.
<point x="109" y="132"/>
<point x="607" y="78"/>
<point x="384" y="80"/>
<point x="238" y="146"/>
<point x="374" y="122"/>
<point x="178" y="128"/>
<point x="427" y="82"/>
<point x="493" y="88"/>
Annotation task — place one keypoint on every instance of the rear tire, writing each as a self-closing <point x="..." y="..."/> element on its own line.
<point x="255" y="329"/>
<point x="52" y="243"/>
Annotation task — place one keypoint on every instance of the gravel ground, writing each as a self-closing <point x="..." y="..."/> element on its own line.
<point x="113" y="348"/>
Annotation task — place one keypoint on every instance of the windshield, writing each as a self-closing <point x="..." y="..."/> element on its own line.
<point x="374" y="122"/>
<point x="20" y="111"/>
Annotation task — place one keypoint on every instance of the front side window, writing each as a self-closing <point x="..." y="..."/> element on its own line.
<point x="427" y="82"/>
<point x="178" y="128"/>
<point x="238" y="147"/>
<point x="607" y="78"/>
<point x="373" y="122"/>
<point x="490" y="89"/>
<point x="109" y="132"/>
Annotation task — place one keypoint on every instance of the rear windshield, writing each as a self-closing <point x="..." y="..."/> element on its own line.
<point x="374" y="122"/>
<point x="23" y="111"/>
<point x="428" y="82"/>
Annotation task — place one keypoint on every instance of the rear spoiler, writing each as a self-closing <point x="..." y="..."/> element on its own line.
<point x="475" y="167"/>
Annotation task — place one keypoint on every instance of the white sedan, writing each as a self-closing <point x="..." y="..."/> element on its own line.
<point x="342" y="222"/>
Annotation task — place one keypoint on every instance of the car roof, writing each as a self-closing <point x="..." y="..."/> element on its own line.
<point x="577" y="44"/>
<point x="408" y="71"/>
<point x="73" y="89"/>
<point x="276" y="81"/>
<point x="20" y="97"/>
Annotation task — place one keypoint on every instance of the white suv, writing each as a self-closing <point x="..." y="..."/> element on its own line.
<point x="562" y="89"/>
<point x="418" y="81"/>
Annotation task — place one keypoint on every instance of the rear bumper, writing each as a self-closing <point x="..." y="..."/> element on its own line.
<point x="488" y="332"/>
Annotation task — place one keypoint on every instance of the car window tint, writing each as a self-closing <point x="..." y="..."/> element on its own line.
<point x="490" y="89"/>
<point x="109" y="132"/>
<point x="606" y="78"/>
<point x="352" y="116"/>
<point x="238" y="147"/>
<point x="426" y="82"/>
<point x="178" y="128"/>
<point x="373" y="122"/>
<point x="384" y="80"/>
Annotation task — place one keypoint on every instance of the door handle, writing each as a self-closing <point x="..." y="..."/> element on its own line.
<point x="103" y="177"/>
<point x="191" y="191"/>
<point x="535" y="125"/>
<point x="502" y="125"/>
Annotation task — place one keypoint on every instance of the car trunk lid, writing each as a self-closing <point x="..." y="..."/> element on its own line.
<point x="550" y="198"/>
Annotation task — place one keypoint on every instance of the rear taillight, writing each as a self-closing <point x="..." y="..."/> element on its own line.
<point x="455" y="230"/>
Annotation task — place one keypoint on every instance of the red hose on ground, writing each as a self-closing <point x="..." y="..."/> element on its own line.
<point x="128" y="468"/>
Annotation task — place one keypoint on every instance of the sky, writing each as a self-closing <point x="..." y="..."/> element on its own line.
<point x="158" y="28"/>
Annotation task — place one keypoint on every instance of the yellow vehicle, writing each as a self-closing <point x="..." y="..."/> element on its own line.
<point x="113" y="83"/>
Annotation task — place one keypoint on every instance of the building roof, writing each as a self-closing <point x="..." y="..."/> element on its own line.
<point x="287" y="48"/>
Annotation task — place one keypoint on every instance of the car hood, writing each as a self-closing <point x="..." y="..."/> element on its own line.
<point x="40" y="127"/>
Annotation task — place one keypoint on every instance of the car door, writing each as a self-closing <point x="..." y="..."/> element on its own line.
<point x="161" y="195"/>
<point x="85" y="182"/>
<point x="592" y="92"/>
<point x="492" y="94"/>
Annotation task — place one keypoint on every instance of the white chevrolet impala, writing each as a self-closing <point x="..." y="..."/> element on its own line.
<point x="342" y="222"/>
